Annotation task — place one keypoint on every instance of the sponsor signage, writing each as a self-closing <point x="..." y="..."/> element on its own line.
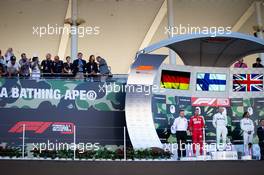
<point x="225" y="102"/>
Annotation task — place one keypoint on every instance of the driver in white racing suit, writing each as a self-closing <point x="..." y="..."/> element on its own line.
<point x="220" y="123"/>
<point x="247" y="126"/>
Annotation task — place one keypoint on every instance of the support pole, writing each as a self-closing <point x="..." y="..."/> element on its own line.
<point x="154" y="26"/>
<point x="74" y="35"/>
<point x="170" y="15"/>
<point x="74" y="142"/>
<point x="65" y="36"/>
<point x="203" y="146"/>
<point x="124" y="143"/>
<point x="259" y="23"/>
<point x="243" y="19"/>
<point x="23" y="141"/>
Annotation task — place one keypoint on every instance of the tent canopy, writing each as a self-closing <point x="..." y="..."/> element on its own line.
<point x="221" y="50"/>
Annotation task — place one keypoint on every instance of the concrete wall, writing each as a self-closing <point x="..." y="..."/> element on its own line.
<point x="123" y="25"/>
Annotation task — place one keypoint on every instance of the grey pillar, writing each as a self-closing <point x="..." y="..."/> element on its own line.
<point x="74" y="35"/>
<point x="170" y="15"/>
<point x="259" y="23"/>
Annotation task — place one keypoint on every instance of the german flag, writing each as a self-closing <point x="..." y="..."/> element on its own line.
<point x="175" y="80"/>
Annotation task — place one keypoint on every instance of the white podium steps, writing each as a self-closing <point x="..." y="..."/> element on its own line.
<point x="224" y="155"/>
<point x="248" y="157"/>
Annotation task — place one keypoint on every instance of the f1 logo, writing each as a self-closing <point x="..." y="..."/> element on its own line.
<point x="203" y="101"/>
<point x="40" y="127"/>
<point x="225" y="102"/>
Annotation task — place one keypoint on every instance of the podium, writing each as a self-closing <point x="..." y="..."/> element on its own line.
<point x="197" y="158"/>
<point x="224" y="155"/>
<point x="247" y="157"/>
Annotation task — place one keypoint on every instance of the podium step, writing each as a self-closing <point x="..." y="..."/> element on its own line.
<point x="224" y="155"/>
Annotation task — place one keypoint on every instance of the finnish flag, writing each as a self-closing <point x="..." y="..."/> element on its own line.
<point x="211" y="82"/>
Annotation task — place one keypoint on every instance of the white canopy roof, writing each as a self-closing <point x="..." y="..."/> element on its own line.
<point x="206" y="50"/>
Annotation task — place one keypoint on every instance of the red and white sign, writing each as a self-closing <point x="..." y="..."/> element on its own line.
<point x="40" y="127"/>
<point x="225" y="102"/>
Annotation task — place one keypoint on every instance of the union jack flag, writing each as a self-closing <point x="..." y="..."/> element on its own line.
<point x="247" y="82"/>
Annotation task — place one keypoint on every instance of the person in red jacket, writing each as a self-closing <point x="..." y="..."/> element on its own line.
<point x="196" y="126"/>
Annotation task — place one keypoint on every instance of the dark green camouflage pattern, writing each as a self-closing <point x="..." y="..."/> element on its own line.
<point x="164" y="118"/>
<point x="111" y="101"/>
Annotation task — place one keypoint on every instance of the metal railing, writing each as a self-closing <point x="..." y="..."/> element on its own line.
<point x="76" y="144"/>
<point x="85" y="77"/>
<point x="96" y="143"/>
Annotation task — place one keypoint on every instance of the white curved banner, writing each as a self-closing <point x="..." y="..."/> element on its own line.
<point x="139" y="119"/>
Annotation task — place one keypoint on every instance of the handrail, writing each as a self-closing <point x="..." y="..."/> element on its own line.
<point x="96" y="77"/>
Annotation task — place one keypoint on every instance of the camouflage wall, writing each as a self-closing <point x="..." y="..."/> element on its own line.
<point x="100" y="119"/>
<point x="164" y="116"/>
<point x="98" y="115"/>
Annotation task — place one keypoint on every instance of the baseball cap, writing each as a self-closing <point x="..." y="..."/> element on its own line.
<point x="13" y="58"/>
<point x="197" y="108"/>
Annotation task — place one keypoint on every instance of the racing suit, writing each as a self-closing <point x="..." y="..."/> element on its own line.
<point x="220" y="123"/>
<point x="247" y="126"/>
<point x="196" y="126"/>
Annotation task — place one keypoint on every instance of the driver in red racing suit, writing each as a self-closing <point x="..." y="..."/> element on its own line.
<point x="196" y="126"/>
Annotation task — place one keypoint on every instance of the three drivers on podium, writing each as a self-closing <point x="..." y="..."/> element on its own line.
<point x="196" y="128"/>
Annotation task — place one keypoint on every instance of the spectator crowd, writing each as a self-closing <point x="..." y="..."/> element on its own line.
<point x="25" y="67"/>
<point x="240" y="64"/>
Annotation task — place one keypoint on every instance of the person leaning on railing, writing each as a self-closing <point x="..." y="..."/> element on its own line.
<point x="46" y="66"/>
<point x="79" y="66"/>
<point x="57" y="66"/>
<point x="68" y="67"/>
<point x="2" y="71"/>
<point x="13" y="68"/>
<point x="2" y="65"/>
<point x="92" y="67"/>
<point x="103" y="67"/>
<point x="35" y="68"/>
<point x="240" y="64"/>
<point x="24" y="63"/>
<point x="257" y="64"/>
<point x="2" y="58"/>
<point x="9" y="53"/>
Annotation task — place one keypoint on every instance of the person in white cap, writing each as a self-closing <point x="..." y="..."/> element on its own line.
<point x="247" y="126"/>
<point x="199" y="112"/>
<point x="35" y="68"/>
<point x="196" y="128"/>
<point x="220" y="123"/>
